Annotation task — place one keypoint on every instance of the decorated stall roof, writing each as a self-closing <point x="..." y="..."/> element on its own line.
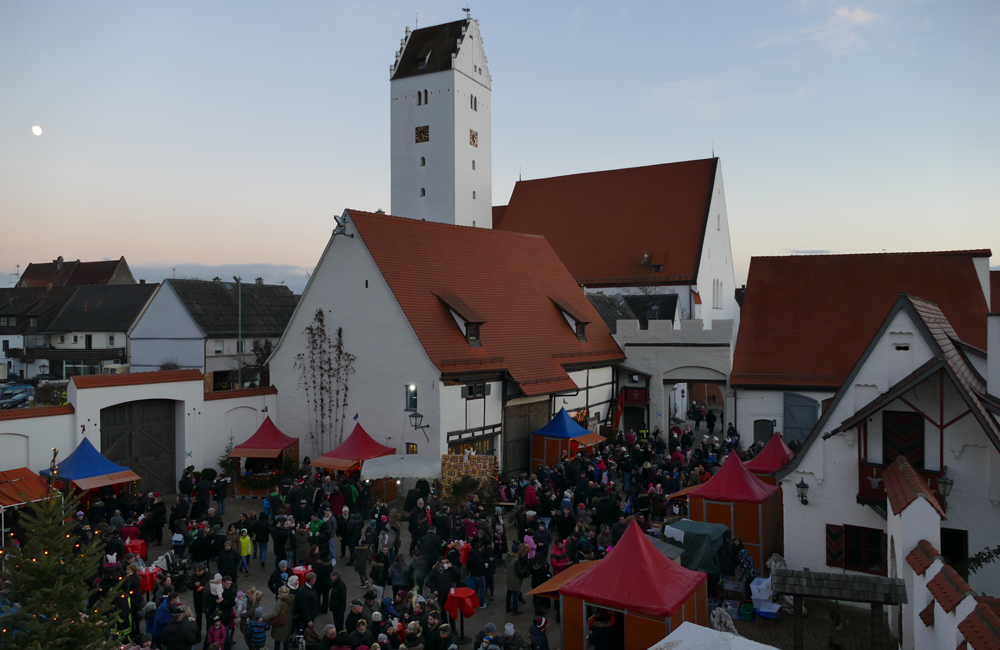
<point x="772" y="458"/>
<point x="267" y="442"/>
<point x="635" y="576"/>
<point x="357" y="447"/>
<point x="734" y="482"/>
<point x="562" y="426"/>
<point x="88" y="469"/>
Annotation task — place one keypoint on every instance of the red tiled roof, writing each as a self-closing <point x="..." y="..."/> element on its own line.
<point x="991" y="602"/>
<point x="243" y="392"/>
<point x="981" y="628"/>
<point x="498" y="211"/>
<point x="948" y="588"/>
<point x="922" y="556"/>
<point x="524" y="333"/>
<point x="927" y="614"/>
<point x="39" y="275"/>
<point x="806" y="319"/>
<point x="36" y="412"/>
<point x="87" y="273"/>
<point x="903" y="486"/>
<point x="602" y="223"/>
<point x="136" y="378"/>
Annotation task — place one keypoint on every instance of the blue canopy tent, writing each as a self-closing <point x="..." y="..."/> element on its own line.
<point x="561" y="436"/>
<point x="88" y="469"/>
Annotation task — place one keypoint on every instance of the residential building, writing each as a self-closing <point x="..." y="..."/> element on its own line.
<point x="917" y="395"/>
<point x="25" y="315"/>
<point x="484" y="333"/>
<point x="200" y="324"/>
<point x="807" y="318"/>
<point x="60" y="273"/>
<point x="441" y="130"/>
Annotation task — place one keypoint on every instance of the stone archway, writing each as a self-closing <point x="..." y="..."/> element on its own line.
<point x="698" y="385"/>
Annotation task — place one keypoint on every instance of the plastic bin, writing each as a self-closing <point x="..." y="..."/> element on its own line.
<point x="746" y="612"/>
<point x="761" y="603"/>
<point x="769" y="611"/>
<point x="732" y="584"/>
<point x="732" y="608"/>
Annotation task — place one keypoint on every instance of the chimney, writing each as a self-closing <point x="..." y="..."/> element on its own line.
<point x="58" y="262"/>
<point x="993" y="354"/>
<point x="84" y="305"/>
<point x="259" y="281"/>
<point x="216" y="279"/>
<point x="141" y="281"/>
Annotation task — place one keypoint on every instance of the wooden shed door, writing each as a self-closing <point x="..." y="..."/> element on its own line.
<point x="142" y="436"/>
<point x="518" y="423"/>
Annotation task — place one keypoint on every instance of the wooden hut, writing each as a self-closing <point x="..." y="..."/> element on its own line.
<point x="648" y="595"/>
<point x="750" y="507"/>
<point x="773" y="457"/>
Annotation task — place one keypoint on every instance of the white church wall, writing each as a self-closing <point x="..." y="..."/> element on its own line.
<point x="716" y="279"/>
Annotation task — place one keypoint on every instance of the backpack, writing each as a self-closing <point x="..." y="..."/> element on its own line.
<point x="281" y="619"/>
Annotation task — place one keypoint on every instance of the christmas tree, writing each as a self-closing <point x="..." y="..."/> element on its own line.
<point x="51" y="581"/>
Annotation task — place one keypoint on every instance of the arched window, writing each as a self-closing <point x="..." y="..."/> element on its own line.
<point x="473" y="165"/>
<point x="425" y="95"/>
<point x="475" y="103"/>
<point x="423" y="161"/>
<point x="473" y="194"/>
<point x="420" y="99"/>
<point x="471" y="101"/>
<point x="423" y="192"/>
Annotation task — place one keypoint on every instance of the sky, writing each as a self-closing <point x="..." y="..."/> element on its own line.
<point x="201" y="139"/>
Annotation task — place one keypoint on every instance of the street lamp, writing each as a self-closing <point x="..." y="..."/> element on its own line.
<point x="415" y="422"/>
<point x="944" y="486"/>
<point x="239" y="334"/>
<point x="803" y="489"/>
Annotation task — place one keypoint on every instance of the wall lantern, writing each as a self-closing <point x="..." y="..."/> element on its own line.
<point x="415" y="422"/>
<point x="803" y="489"/>
<point x="944" y="486"/>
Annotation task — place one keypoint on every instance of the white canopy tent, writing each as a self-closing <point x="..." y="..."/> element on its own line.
<point x="695" y="637"/>
<point x="400" y="467"/>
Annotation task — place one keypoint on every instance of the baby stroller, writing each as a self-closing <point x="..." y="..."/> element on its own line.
<point x="179" y="570"/>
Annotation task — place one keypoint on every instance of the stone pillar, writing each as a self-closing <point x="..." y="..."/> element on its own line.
<point x="876" y="643"/>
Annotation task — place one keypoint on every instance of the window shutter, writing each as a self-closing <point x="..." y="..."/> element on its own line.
<point x="465" y="392"/>
<point x="486" y="391"/>
<point x="834" y="545"/>
<point x="885" y="555"/>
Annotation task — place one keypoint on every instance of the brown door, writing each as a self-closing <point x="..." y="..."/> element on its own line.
<point x="142" y="436"/>
<point x="518" y="423"/>
<point x="88" y="341"/>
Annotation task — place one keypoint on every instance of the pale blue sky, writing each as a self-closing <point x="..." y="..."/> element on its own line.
<point x="231" y="133"/>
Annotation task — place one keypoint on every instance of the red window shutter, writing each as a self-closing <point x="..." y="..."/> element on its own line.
<point x="834" y="545"/>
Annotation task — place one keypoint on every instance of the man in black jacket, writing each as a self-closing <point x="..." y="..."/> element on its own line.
<point x="180" y="633"/>
<point x="430" y="546"/>
<point x="278" y="578"/>
<point x="307" y="602"/>
<point x="279" y="537"/>
<point x="442" y="578"/>
<point x="477" y="571"/>
<point x="221" y="489"/>
<point x="229" y="561"/>
<point x="198" y="586"/>
<point x="338" y="599"/>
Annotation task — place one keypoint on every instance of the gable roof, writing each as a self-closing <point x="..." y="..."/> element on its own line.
<point x="659" y="211"/>
<point x="71" y="273"/>
<point x="936" y="330"/>
<point x="734" y="482"/>
<point x="772" y="458"/>
<point x="103" y="308"/>
<point x="215" y="307"/>
<point x="636" y="576"/>
<point x="807" y="318"/>
<point x="903" y="486"/>
<point x="611" y="310"/>
<point x="922" y="556"/>
<point x="525" y="333"/>
<point x="948" y="588"/>
<point x="431" y="46"/>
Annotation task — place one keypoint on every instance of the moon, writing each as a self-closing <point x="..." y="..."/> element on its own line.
<point x="37" y="130"/>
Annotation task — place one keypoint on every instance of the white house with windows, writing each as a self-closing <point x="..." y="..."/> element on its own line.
<point x="441" y="135"/>
<point x="403" y="316"/>
<point x="806" y="318"/>
<point x="918" y="393"/>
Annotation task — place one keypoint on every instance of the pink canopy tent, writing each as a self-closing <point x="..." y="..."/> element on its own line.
<point x="772" y="458"/>
<point x="357" y="447"/>
<point x="267" y="442"/>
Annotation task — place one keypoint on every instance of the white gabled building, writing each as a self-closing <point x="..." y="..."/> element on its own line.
<point x="917" y="392"/>
<point x="482" y="332"/>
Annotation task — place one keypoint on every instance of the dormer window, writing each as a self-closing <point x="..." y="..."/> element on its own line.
<point x="575" y="318"/>
<point x="654" y="312"/>
<point x="468" y="319"/>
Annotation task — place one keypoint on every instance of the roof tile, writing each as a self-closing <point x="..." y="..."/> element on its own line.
<point x="242" y="392"/>
<point x="903" y="486"/>
<point x="36" y="412"/>
<point x="927" y="614"/>
<point x="922" y="556"/>
<point x="136" y="378"/>
<point x="948" y="588"/>
<point x="981" y="628"/>
<point x="818" y="347"/>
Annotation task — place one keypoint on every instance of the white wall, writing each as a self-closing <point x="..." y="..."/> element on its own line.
<point x="388" y="353"/>
<point x="28" y="442"/>
<point x="166" y="332"/>
<point x="472" y="79"/>
<point x="764" y="404"/>
<point x="717" y="260"/>
<point x="459" y="413"/>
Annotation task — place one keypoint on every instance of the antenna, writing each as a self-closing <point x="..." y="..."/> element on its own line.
<point x="518" y="172"/>
<point x="713" y="147"/>
<point x="416" y="21"/>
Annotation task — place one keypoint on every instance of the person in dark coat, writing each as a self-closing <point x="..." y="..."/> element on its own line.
<point x="307" y="601"/>
<point x="323" y="570"/>
<point x="279" y="537"/>
<point x="228" y="562"/>
<point x="338" y="599"/>
<point x="221" y="489"/>
<point x="278" y="578"/>
<point x="180" y="633"/>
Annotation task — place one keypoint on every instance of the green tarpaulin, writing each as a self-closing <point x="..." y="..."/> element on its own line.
<point x="707" y="547"/>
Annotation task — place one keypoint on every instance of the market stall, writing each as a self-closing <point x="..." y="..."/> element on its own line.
<point x="556" y="439"/>
<point x="748" y="506"/>
<point x="87" y="469"/>
<point x="773" y="457"/>
<point x="263" y="455"/>
<point x="353" y="452"/>
<point x="644" y="594"/>
<point x="19" y="487"/>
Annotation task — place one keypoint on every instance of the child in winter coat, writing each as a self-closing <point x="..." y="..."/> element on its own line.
<point x="258" y="630"/>
<point x="217" y="633"/>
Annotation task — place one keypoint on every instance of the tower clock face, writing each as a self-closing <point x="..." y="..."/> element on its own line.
<point x="473" y="138"/>
<point x="423" y="134"/>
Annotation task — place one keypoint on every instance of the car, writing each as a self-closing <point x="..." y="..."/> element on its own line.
<point x="16" y="395"/>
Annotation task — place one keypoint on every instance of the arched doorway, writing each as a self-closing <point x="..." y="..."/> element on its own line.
<point x="142" y="436"/>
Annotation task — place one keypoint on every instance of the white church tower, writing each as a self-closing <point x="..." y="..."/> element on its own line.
<point x="440" y="126"/>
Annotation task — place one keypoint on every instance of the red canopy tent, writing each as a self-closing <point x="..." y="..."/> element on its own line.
<point x="267" y="442"/>
<point x="357" y="447"/>
<point x="17" y="488"/>
<point x="656" y="595"/>
<point x="747" y="505"/>
<point x="772" y="458"/>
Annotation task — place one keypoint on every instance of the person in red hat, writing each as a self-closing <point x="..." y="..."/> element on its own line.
<point x="537" y="631"/>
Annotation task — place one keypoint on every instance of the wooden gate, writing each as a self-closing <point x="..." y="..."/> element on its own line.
<point x="142" y="436"/>
<point x="518" y="423"/>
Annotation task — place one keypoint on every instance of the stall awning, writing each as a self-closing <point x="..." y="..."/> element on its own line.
<point x="772" y="458"/>
<point x="689" y="636"/>
<point x="589" y="439"/>
<point x="550" y="588"/>
<point x="406" y="466"/>
<point x="683" y="492"/>
<point x="734" y="482"/>
<point x="562" y="426"/>
<point x="88" y="469"/>
<point x="20" y="486"/>
<point x="267" y="442"/>
<point x="357" y="447"/>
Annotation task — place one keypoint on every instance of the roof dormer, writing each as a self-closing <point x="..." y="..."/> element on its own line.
<point x="574" y="317"/>
<point x="467" y="318"/>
